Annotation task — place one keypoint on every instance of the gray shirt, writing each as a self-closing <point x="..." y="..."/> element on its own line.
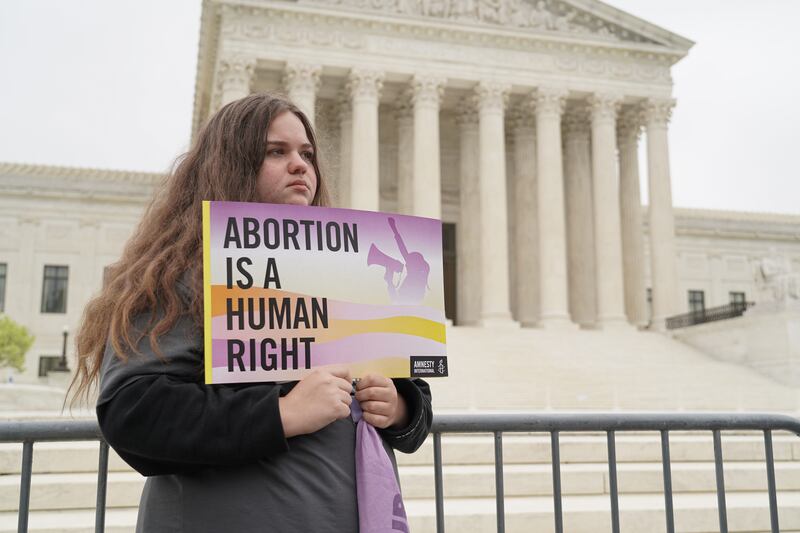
<point x="217" y="456"/>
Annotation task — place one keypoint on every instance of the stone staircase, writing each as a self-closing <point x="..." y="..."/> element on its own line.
<point x="64" y="484"/>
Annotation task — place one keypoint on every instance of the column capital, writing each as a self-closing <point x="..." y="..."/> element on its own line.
<point x="604" y="106"/>
<point x="427" y="90"/>
<point x="549" y="100"/>
<point x="491" y="97"/>
<point x="629" y="125"/>
<point x="303" y="77"/>
<point x="657" y="111"/>
<point x="236" y="70"/>
<point x="468" y="113"/>
<point x="233" y="77"/>
<point x="577" y="122"/>
<point x="365" y="84"/>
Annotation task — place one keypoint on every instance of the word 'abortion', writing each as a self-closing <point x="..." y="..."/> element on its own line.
<point x="277" y="314"/>
<point x="291" y="234"/>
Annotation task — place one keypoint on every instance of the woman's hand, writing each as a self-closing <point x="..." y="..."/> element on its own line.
<point x="381" y="404"/>
<point x="321" y="397"/>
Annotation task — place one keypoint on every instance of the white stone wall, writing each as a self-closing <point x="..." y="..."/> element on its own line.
<point x="78" y="218"/>
<point x="719" y="252"/>
<point x="81" y="218"/>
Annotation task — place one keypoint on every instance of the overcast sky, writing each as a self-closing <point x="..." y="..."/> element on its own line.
<point x="110" y="84"/>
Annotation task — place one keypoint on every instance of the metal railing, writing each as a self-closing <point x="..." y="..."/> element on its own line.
<point x="610" y="423"/>
<point x="712" y="314"/>
<point x="28" y="432"/>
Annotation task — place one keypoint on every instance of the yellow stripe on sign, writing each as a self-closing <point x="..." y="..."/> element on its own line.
<point x="207" y="287"/>
<point x="406" y="325"/>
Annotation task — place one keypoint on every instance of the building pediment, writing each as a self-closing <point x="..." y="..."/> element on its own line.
<point x="579" y="18"/>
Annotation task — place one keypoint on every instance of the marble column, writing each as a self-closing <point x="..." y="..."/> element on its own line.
<point x="553" y="290"/>
<point x="234" y="76"/>
<point x="495" y="306"/>
<point x="580" y="219"/>
<point x="526" y="226"/>
<point x="345" y="111"/>
<point x="427" y="182"/>
<point x="468" y="231"/>
<point x="630" y="203"/>
<point x="365" y="87"/>
<point x="404" y="115"/>
<point x="301" y="81"/>
<point x="663" y="267"/>
<point x="607" y="225"/>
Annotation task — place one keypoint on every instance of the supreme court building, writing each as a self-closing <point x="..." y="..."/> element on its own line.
<point x="517" y="122"/>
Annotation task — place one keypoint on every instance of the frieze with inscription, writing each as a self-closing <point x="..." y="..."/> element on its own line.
<point x="532" y="56"/>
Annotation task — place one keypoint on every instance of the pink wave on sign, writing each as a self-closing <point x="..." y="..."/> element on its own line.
<point x="373" y="346"/>
<point x="368" y="345"/>
<point x="354" y="311"/>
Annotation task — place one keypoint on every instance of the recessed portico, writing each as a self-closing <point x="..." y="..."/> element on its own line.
<point x="520" y="126"/>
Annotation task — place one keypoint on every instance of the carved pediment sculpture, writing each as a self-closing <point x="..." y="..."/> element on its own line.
<point x="776" y="285"/>
<point x="542" y="15"/>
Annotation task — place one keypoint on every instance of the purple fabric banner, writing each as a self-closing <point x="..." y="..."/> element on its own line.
<point x="380" y="503"/>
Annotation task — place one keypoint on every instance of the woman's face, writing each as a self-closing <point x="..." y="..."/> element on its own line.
<point x="287" y="175"/>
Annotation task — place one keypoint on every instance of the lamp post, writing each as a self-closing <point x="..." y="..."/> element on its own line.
<point x="63" y="364"/>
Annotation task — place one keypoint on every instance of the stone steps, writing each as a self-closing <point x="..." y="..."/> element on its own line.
<point x="77" y="490"/>
<point x="71" y="521"/>
<point x="694" y="513"/>
<point x="578" y="478"/>
<point x="63" y="489"/>
<point x="592" y="448"/>
<point x="63" y="457"/>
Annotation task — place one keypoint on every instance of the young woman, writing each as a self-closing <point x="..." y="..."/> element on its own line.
<point x="240" y="458"/>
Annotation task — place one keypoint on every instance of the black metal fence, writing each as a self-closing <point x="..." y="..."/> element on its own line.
<point x="28" y="432"/>
<point x="712" y="314"/>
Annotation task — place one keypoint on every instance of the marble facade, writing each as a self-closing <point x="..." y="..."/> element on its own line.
<point x="514" y="67"/>
<point x="517" y="122"/>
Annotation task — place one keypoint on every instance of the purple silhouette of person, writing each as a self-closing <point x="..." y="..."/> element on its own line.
<point x="412" y="288"/>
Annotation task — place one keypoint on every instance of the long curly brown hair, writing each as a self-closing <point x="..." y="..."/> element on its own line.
<point x="223" y="164"/>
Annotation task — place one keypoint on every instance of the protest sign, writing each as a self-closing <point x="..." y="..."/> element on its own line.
<point x="291" y="288"/>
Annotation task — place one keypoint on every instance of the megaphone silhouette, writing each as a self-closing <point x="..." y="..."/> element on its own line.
<point x="392" y="265"/>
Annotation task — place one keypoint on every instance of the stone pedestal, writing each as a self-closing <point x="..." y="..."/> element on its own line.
<point x="773" y="345"/>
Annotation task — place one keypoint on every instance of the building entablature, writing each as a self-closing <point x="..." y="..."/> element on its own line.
<point x="567" y="45"/>
<point x="735" y="225"/>
<point x="75" y="183"/>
